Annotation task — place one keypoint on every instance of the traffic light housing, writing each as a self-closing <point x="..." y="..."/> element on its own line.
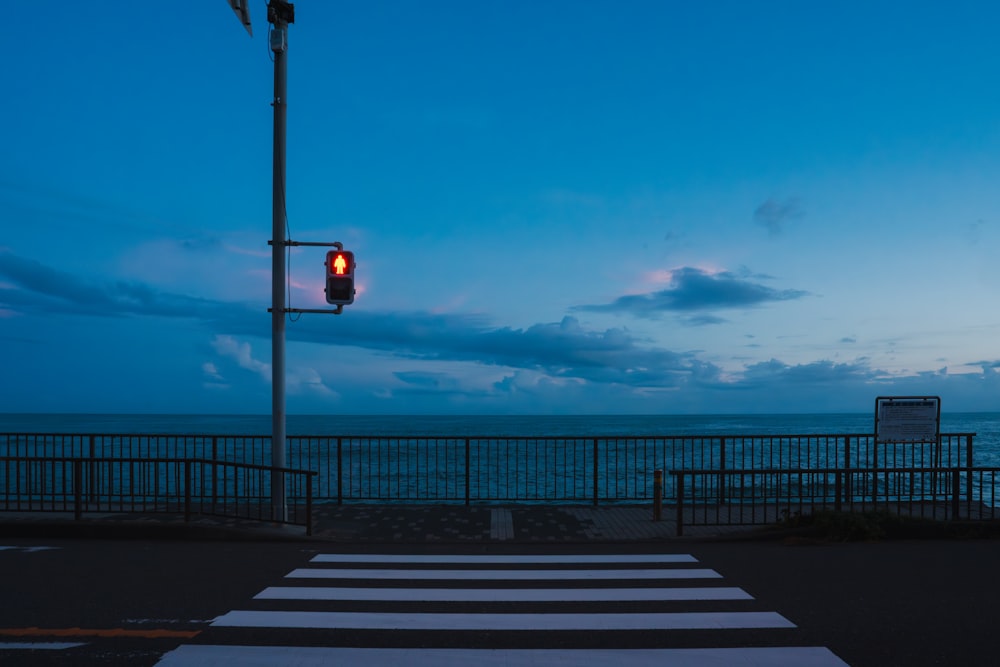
<point x="340" y="277"/>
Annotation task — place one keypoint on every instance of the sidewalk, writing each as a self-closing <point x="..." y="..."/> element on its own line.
<point x="383" y="523"/>
<point x="520" y="523"/>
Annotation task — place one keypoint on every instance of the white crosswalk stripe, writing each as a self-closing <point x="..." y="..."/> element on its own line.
<point x="315" y="656"/>
<point x="521" y="622"/>
<point x="650" y="594"/>
<point x="507" y="594"/>
<point x="510" y="559"/>
<point x="501" y="575"/>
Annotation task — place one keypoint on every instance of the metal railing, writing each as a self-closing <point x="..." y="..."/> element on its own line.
<point x="766" y="496"/>
<point x="153" y="485"/>
<point x="448" y="469"/>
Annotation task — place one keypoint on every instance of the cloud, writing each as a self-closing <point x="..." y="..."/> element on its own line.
<point x="534" y="385"/>
<point x="39" y="288"/>
<point x="300" y="380"/>
<point x="562" y="349"/>
<point x="211" y="372"/>
<point x="544" y="365"/>
<point x="774" y="215"/>
<point x="424" y="379"/>
<point x="242" y="354"/>
<point x="817" y="372"/>
<point x="559" y="349"/>
<point x="704" y="320"/>
<point x="211" y="378"/>
<point x="693" y="289"/>
<point x="985" y="365"/>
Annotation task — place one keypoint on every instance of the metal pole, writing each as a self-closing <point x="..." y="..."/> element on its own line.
<point x="468" y="471"/>
<point x="279" y="13"/>
<point x="309" y="502"/>
<point x="77" y="489"/>
<point x="968" y="465"/>
<point x="722" y="470"/>
<point x="596" y="481"/>
<point x="657" y="494"/>
<point x="680" y="503"/>
<point x="187" y="490"/>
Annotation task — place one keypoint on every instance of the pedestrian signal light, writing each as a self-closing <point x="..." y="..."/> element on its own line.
<point x="340" y="277"/>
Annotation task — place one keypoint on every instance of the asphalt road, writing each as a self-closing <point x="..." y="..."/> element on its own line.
<point x="130" y="602"/>
<point x="910" y="603"/>
<point x="144" y="597"/>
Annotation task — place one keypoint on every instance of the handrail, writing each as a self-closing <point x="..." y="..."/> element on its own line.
<point x="842" y="493"/>
<point x="40" y="486"/>
<point x="476" y="469"/>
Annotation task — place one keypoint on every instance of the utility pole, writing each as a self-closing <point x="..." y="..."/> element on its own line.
<point x="339" y="281"/>
<point x="280" y="14"/>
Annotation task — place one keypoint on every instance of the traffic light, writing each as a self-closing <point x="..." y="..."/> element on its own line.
<point x="340" y="277"/>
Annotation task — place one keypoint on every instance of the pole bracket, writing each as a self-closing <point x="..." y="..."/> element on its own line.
<point x="337" y="311"/>
<point x="336" y="244"/>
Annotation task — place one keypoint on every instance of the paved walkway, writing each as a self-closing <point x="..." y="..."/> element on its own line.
<point x="386" y="523"/>
<point x="481" y="524"/>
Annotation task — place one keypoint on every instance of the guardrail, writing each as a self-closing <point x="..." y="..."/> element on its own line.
<point x="154" y="485"/>
<point x="448" y="469"/>
<point x="763" y="496"/>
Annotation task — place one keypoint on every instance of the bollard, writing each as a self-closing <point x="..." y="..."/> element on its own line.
<point x="657" y="494"/>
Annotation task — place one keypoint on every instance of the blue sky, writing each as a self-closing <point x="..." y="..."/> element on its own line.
<point x="556" y="207"/>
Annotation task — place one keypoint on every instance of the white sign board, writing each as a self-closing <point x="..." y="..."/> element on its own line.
<point x="907" y="419"/>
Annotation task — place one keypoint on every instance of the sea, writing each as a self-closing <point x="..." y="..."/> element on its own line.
<point x="985" y="425"/>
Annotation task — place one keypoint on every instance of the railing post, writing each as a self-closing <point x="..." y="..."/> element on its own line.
<point x="215" y="470"/>
<point x="837" y="490"/>
<point x="340" y="470"/>
<point x="657" y="494"/>
<point x="93" y="469"/>
<point x="722" y="470"/>
<point x="468" y="472"/>
<point x="956" y="503"/>
<point x="77" y="489"/>
<point x="848" y="491"/>
<point x="968" y="464"/>
<point x="874" y="468"/>
<point x="680" y="503"/>
<point x="309" y="502"/>
<point x="187" y="490"/>
<point x="596" y="462"/>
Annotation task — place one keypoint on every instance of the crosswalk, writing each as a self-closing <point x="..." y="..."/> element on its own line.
<point x="630" y="610"/>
